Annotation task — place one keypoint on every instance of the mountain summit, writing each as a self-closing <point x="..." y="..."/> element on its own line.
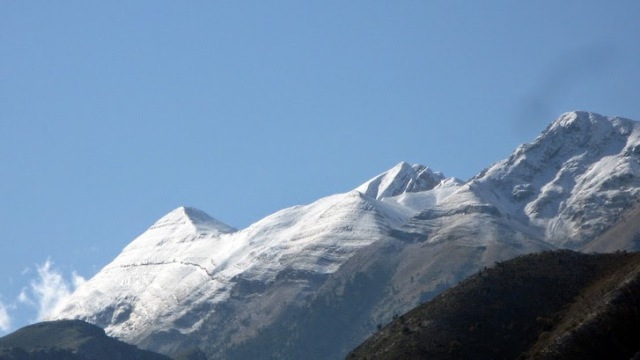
<point x="194" y="219"/>
<point x="313" y="281"/>
<point x="402" y="178"/>
<point x="573" y="181"/>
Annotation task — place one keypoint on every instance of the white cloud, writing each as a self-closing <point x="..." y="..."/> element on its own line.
<point x="24" y="297"/>
<point x="49" y="290"/>
<point x="5" y="319"/>
<point x="77" y="280"/>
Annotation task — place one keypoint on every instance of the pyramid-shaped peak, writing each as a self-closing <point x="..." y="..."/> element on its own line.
<point x="195" y="215"/>
<point x="189" y="216"/>
<point x="400" y="179"/>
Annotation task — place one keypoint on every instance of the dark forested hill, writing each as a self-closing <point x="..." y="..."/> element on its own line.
<point x="68" y="340"/>
<point x="551" y="305"/>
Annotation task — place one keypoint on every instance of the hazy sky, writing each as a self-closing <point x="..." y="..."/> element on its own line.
<point x="113" y="113"/>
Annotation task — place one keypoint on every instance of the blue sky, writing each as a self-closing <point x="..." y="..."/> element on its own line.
<point x="114" y="113"/>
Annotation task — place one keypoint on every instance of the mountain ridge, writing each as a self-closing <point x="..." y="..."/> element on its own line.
<point x="407" y="234"/>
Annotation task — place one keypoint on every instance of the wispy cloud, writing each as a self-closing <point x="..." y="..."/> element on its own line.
<point x="49" y="289"/>
<point x="5" y="319"/>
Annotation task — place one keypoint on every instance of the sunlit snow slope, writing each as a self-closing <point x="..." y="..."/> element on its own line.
<point x="348" y="262"/>
<point x="188" y="259"/>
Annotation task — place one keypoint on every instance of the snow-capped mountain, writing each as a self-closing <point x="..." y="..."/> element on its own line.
<point x="188" y="261"/>
<point x="313" y="281"/>
<point x="573" y="180"/>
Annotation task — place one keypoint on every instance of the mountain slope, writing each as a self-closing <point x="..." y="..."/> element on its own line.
<point x="552" y="305"/>
<point x="573" y="181"/>
<point x="297" y="278"/>
<point x="181" y="275"/>
<point x="68" y="339"/>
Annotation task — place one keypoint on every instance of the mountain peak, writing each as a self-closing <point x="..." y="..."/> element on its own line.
<point x="190" y="216"/>
<point x="578" y="120"/>
<point x="573" y="135"/>
<point x="400" y="179"/>
<point x="579" y="160"/>
<point x="588" y="126"/>
<point x="571" y="117"/>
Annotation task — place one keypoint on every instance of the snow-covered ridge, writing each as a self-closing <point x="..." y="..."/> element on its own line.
<point x="572" y="179"/>
<point x="188" y="252"/>
<point x="563" y="189"/>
